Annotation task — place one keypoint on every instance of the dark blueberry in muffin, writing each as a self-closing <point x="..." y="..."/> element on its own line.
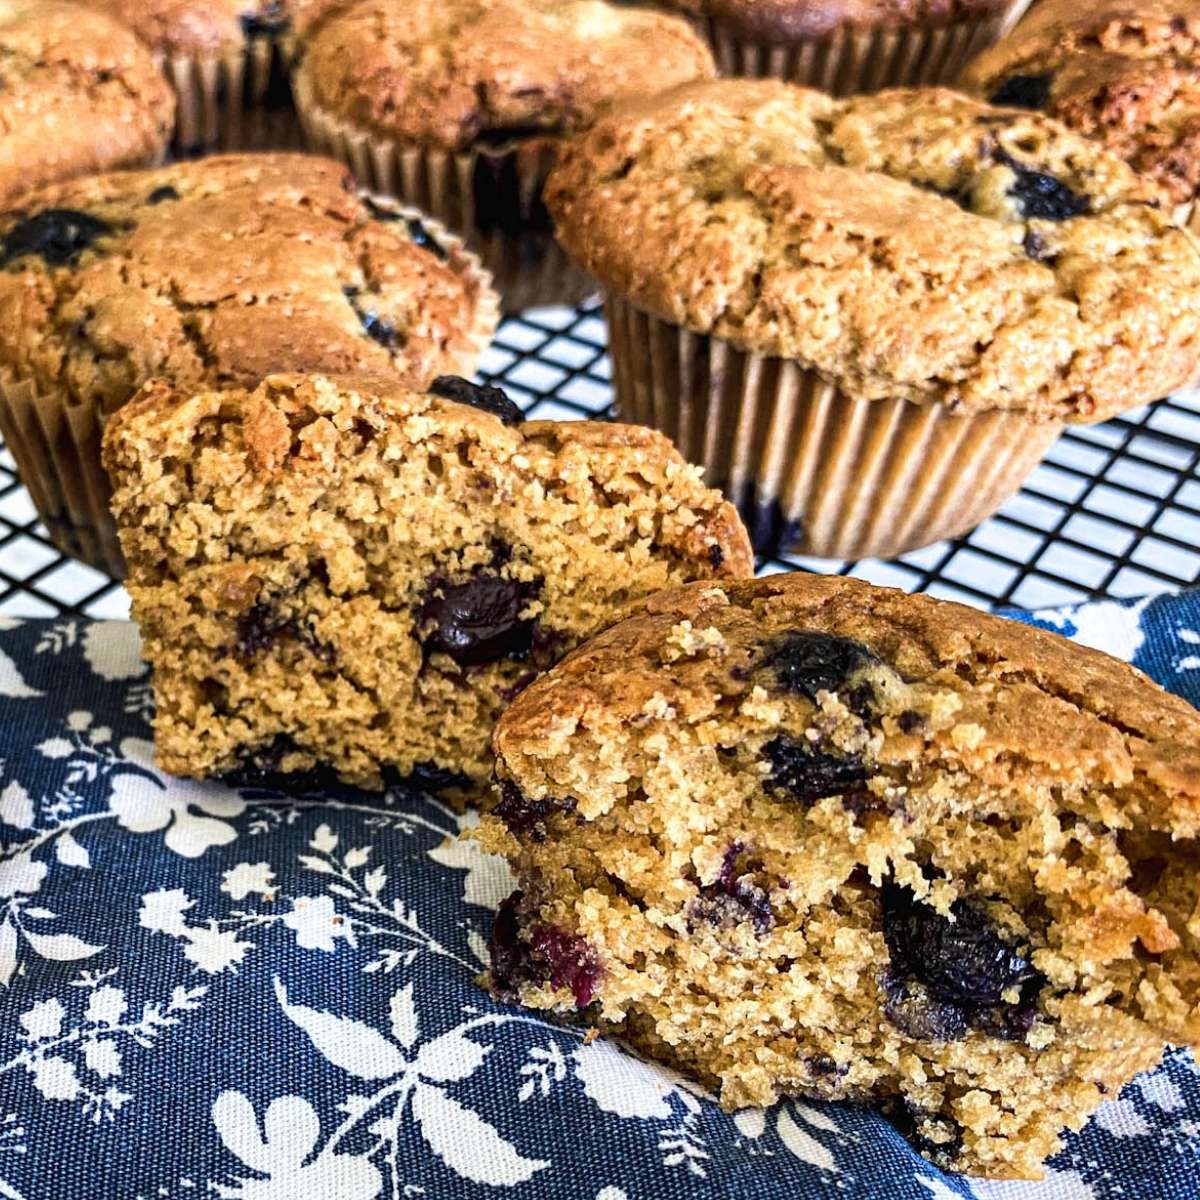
<point x="162" y="194"/>
<point x="806" y="663"/>
<point x="56" y="235"/>
<point x="1023" y="91"/>
<point x="429" y="778"/>
<point x="938" y="1137"/>
<point x="487" y="399"/>
<point x="524" y="816"/>
<point x="919" y="1015"/>
<point x="374" y="326"/>
<point x="734" y="896"/>
<point x="259" y="767"/>
<point x="476" y="621"/>
<point x="961" y="960"/>
<point x="548" y="956"/>
<point x="802" y="773"/>
<point x="1039" y="194"/>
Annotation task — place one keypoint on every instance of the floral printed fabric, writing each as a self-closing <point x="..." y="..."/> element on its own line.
<point x="207" y="992"/>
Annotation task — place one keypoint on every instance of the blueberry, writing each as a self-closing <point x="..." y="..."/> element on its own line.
<point x="374" y="326"/>
<point x="417" y="231"/>
<point x="549" y="955"/>
<point x="962" y="961"/>
<point x="525" y="817"/>
<point x="487" y="399"/>
<point x="716" y="556"/>
<point x="262" y="625"/>
<point x="910" y="721"/>
<point x="919" y="1015"/>
<point x="162" y="194"/>
<point x="1023" y="91"/>
<point x="735" y="897"/>
<point x="56" y="235"/>
<point x="1040" y="195"/>
<point x="477" y="621"/>
<point x="806" y="663"/>
<point x="802" y="773"/>
<point x="771" y="531"/>
<point x="1035" y="247"/>
<point x="259" y="767"/>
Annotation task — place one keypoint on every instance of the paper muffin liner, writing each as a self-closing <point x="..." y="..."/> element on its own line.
<point x="236" y="100"/>
<point x="55" y="440"/>
<point x="850" y="60"/>
<point x="812" y="470"/>
<point x="491" y="196"/>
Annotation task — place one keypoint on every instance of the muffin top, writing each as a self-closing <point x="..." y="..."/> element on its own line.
<point x="203" y="26"/>
<point x="916" y="244"/>
<point x="79" y="94"/>
<point x="221" y="271"/>
<point x="797" y="20"/>
<point x="1125" y="72"/>
<point x="446" y="72"/>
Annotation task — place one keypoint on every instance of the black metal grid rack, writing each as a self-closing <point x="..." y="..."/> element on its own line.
<point x="1114" y="510"/>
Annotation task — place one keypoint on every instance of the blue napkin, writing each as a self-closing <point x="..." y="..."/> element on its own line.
<point x="207" y="992"/>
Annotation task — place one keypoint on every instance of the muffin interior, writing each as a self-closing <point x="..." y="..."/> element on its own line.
<point x="811" y="874"/>
<point x="336" y="579"/>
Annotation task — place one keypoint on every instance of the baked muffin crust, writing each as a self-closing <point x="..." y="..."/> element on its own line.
<point x="448" y="72"/>
<point x="915" y="244"/>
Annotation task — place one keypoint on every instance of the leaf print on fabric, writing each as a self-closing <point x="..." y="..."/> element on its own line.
<point x="111" y="652"/>
<point x="12" y="682"/>
<point x="145" y="803"/>
<point x="277" y="1154"/>
<point x="489" y="880"/>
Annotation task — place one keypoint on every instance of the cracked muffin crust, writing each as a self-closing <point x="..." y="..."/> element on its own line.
<point x="805" y="836"/>
<point x="80" y="94"/>
<point x="338" y="578"/>
<point x="209" y="274"/>
<point x="447" y="73"/>
<point x="459" y="107"/>
<point x="915" y="244"/>
<point x="1124" y="72"/>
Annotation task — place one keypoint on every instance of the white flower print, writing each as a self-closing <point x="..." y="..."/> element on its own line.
<point x="317" y="924"/>
<point x="21" y="874"/>
<point x="111" y="652"/>
<point x="163" y="911"/>
<point x="213" y="949"/>
<point x="489" y="879"/>
<point x="277" y="1154"/>
<point x="145" y="803"/>
<point x="43" y="1020"/>
<point x="245" y="878"/>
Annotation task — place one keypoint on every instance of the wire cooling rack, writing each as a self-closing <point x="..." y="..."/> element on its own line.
<point x="1114" y="510"/>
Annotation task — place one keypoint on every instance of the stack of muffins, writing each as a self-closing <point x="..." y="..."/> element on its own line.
<point x="862" y="304"/>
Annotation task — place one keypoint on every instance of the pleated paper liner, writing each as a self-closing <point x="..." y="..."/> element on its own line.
<point x="491" y="196"/>
<point x="237" y="100"/>
<point x="813" y="471"/>
<point x="850" y="60"/>
<point x="55" y="441"/>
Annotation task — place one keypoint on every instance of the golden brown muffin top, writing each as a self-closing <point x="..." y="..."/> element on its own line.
<point x="915" y="244"/>
<point x="1124" y="72"/>
<point x="222" y="271"/>
<point x="446" y="72"/>
<point x="79" y="94"/>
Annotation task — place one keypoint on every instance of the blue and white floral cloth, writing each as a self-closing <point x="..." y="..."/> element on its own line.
<point x="207" y="992"/>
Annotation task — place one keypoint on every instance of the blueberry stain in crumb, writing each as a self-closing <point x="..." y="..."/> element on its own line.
<point x="162" y="194"/>
<point x="374" y="326"/>
<point x="478" y="620"/>
<point x="547" y="955"/>
<point x="525" y="817"/>
<point x="429" y="778"/>
<point x="417" y="231"/>
<point x="802" y="773"/>
<point x="56" y="235"/>
<point x="808" y="662"/>
<point x="262" y="625"/>
<point x="934" y="1135"/>
<point x="477" y="395"/>
<point x="1023" y="91"/>
<point x="734" y="896"/>
<point x="260" y="767"/>
<point x="1040" y="195"/>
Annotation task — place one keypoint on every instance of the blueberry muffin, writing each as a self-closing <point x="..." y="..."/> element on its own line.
<point x="226" y="61"/>
<point x="342" y="579"/>
<point x="208" y="274"/>
<point x="869" y="318"/>
<point x="80" y="94"/>
<point x="848" y="46"/>
<point x="459" y="107"/>
<point x="804" y="836"/>
<point x="1124" y="72"/>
